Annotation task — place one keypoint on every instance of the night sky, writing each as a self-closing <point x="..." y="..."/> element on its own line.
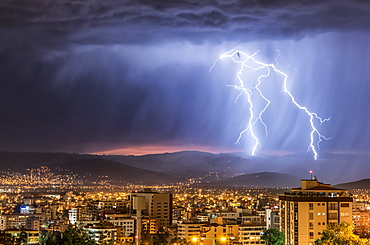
<point x="132" y="77"/>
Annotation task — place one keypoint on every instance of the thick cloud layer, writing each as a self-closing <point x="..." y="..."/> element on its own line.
<point x="89" y="76"/>
<point x="55" y="24"/>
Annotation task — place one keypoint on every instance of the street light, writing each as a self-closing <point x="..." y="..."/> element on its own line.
<point x="222" y="239"/>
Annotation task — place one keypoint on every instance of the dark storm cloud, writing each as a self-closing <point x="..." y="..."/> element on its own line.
<point x="94" y="75"/>
<point x="54" y="24"/>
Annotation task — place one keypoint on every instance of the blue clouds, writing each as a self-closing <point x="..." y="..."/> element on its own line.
<point x="95" y="75"/>
<point x="62" y="23"/>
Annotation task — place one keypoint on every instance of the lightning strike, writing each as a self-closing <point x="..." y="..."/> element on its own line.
<point x="245" y="61"/>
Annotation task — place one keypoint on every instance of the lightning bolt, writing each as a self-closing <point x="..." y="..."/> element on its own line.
<point x="245" y="61"/>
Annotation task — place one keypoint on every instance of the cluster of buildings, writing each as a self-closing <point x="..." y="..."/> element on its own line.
<point x="45" y="180"/>
<point x="196" y="216"/>
<point x="40" y="177"/>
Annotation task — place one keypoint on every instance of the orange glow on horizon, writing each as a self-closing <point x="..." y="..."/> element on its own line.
<point x="160" y="149"/>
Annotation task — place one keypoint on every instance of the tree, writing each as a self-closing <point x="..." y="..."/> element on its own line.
<point x="6" y="238"/>
<point x="146" y="239"/>
<point x="50" y="238"/>
<point x="178" y="241"/>
<point x="161" y="237"/>
<point x="72" y="236"/>
<point x="273" y="237"/>
<point x="76" y="236"/>
<point x="103" y="236"/>
<point x="22" y="239"/>
<point x="341" y="234"/>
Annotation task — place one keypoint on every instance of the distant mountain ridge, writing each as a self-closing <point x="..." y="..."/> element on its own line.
<point x="188" y="164"/>
<point x="360" y="184"/>
<point x="92" y="167"/>
<point x="227" y="169"/>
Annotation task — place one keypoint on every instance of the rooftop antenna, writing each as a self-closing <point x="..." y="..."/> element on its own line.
<point x="311" y="173"/>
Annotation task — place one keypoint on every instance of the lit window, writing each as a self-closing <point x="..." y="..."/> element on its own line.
<point x="311" y="215"/>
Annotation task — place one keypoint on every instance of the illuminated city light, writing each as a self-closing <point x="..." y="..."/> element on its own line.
<point x="245" y="60"/>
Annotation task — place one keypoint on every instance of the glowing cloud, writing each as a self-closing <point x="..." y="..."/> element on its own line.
<point x="251" y="88"/>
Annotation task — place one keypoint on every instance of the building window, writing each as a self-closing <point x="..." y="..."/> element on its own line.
<point x="333" y="215"/>
<point x="344" y="205"/>
<point x="311" y="234"/>
<point x="310" y="206"/>
<point x="310" y="215"/>
<point x="333" y="206"/>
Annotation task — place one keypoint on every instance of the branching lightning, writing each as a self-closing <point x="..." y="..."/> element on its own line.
<point x="245" y="61"/>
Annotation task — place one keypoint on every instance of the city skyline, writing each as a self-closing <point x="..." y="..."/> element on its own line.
<point x="133" y="77"/>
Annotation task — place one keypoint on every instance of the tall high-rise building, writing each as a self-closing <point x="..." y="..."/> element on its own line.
<point x="306" y="211"/>
<point x="157" y="205"/>
<point x="272" y="218"/>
